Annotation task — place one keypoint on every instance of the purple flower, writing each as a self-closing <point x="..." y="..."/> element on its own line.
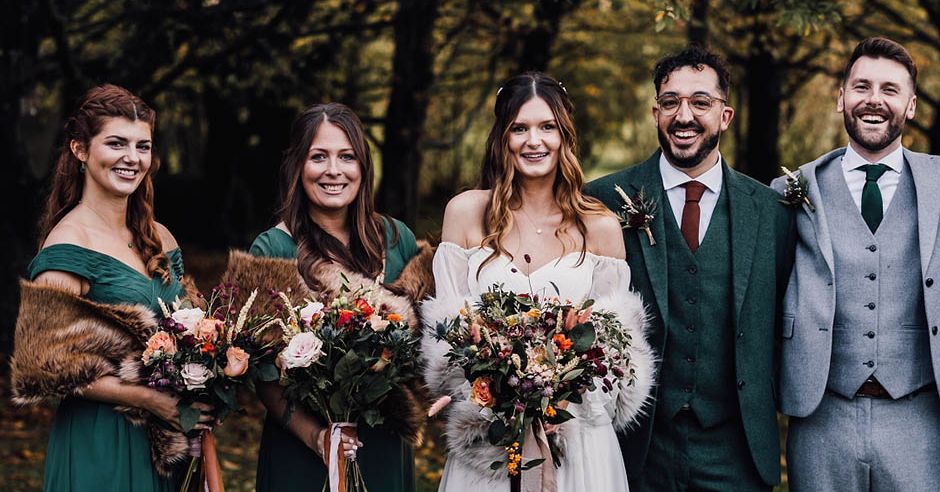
<point x="548" y="391"/>
<point x="513" y="381"/>
<point x="617" y="371"/>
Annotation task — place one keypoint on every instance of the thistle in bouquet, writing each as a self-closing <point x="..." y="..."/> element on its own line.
<point x="526" y="358"/>
<point x="204" y="356"/>
<point x="341" y="358"/>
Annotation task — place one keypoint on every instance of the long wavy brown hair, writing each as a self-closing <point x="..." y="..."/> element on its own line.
<point x="499" y="172"/>
<point x="366" y="231"/>
<point x="68" y="182"/>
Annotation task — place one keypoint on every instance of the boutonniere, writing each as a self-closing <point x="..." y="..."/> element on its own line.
<point x="795" y="194"/>
<point x="637" y="212"/>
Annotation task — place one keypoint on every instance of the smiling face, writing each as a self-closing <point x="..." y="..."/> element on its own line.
<point x="332" y="173"/>
<point x="688" y="140"/>
<point x="117" y="158"/>
<point x="534" y="140"/>
<point x="876" y="99"/>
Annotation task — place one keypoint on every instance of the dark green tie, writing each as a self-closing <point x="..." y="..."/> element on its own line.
<point x="872" y="206"/>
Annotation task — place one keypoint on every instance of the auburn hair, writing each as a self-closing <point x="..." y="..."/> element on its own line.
<point x="68" y="181"/>
<point x="366" y="250"/>
<point x="499" y="172"/>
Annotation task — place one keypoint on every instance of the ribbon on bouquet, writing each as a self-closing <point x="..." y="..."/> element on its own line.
<point x="337" y="463"/>
<point x="542" y="477"/>
<point x="202" y="447"/>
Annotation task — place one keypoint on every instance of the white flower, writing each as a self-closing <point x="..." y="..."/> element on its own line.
<point x="377" y="323"/>
<point x="301" y="351"/>
<point x="195" y="375"/>
<point x="188" y="318"/>
<point x="310" y="310"/>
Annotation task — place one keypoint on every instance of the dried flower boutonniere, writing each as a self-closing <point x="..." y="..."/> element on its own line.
<point x="637" y="212"/>
<point x="795" y="194"/>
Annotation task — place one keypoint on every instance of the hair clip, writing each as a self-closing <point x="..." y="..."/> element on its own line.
<point x="499" y="90"/>
<point x="562" y="87"/>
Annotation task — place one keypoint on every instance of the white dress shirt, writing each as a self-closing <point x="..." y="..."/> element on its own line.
<point x="855" y="178"/>
<point x="673" y="179"/>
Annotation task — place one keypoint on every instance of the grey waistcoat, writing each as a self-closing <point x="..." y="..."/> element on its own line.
<point x="880" y="326"/>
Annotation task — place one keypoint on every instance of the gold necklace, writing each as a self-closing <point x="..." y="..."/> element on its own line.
<point x="538" y="230"/>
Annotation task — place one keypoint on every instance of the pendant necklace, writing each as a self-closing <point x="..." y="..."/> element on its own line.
<point x="538" y="230"/>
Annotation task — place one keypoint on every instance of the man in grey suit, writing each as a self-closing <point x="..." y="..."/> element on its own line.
<point x="860" y="343"/>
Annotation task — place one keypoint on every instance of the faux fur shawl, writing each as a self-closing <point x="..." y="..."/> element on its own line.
<point x="467" y="428"/>
<point x="65" y="342"/>
<point x="405" y="410"/>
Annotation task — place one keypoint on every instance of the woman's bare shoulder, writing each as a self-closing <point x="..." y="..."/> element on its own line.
<point x="463" y="218"/>
<point x="605" y="236"/>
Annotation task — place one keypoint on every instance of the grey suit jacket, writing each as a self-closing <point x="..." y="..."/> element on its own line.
<point x="809" y="302"/>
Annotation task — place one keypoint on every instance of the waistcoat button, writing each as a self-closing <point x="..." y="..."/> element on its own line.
<point x="929" y="282"/>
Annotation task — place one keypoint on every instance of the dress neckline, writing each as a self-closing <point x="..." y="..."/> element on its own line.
<point x="113" y="259"/>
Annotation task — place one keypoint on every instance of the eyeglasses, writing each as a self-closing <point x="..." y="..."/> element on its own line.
<point x="699" y="103"/>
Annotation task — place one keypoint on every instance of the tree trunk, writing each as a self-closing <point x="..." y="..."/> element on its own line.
<point x="536" y="52"/>
<point x="412" y="75"/>
<point x="759" y="153"/>
<point x="697" y="30"/>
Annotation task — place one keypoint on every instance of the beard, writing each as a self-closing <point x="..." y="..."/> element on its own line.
<point x="707" y="145"/>
<point x="869" y="141"/>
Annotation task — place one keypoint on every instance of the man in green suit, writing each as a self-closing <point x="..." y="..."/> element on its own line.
<point x="710" y="268"/>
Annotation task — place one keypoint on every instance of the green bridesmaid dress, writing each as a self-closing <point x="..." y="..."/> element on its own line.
<point x="285" y="464"/>
<point x="92" y="447"/>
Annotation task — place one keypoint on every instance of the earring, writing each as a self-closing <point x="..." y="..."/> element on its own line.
<point x="82" y="168"/>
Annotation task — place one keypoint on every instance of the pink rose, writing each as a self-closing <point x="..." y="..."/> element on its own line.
<point x="237" y="362"/>
<point x="161" y="343"/>
<point x="208" y="329"/>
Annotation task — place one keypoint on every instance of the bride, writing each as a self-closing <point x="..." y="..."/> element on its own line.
<point x="530" y="229"/>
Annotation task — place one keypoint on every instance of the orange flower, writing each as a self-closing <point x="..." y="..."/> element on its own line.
<point x="344" y="316"/>
<point x="364" y="307"/>
<point x="208" y="348"/>
<point x="550" y="411"/>
<point x="571" y="319"/>
<point x="237" y="362"/>
<point x="161" y="341"/>
<point x="393" y="317"/>
<point x="563" y="342"/>
<point x="480" y="392"/>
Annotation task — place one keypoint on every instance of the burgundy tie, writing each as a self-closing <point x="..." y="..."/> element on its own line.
<point x="691" y="213"/>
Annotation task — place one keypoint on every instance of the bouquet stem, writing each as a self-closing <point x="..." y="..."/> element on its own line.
<point x="203" y="473"/>
<point x="344" y="474"/>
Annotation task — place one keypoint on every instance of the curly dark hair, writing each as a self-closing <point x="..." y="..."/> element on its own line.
<point x="696" y="57"/>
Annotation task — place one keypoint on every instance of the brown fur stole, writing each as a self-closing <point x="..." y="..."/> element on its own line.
<point x="65" y="342"/>
<point x="405" y="410"/>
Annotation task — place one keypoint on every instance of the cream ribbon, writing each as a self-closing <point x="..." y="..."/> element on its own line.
<point x="336" y="435"/>
<point x="532" y="480"/>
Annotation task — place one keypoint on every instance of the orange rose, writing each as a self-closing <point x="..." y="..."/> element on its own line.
<point x="162" y="342"/>
<point x="364" y="307"/>
<point x="480" y="392"/>
<point x="393" y="317"/>
<point x="209" y="329"/>
<point x="237" y="362"/>
<point x="563" y="342"/>
<point x="345" y="316"/>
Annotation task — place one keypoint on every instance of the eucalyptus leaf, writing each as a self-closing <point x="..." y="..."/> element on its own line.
<point x="532" y="464"/>
<point x="268" y="372"/>
<point x="582" y="337"/>
<point x="189" y="416"/>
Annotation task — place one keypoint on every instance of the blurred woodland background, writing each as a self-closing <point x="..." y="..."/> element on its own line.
<point x="227" y="78"/>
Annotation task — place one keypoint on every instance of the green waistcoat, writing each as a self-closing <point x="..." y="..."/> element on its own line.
<point x="698" y="364"/>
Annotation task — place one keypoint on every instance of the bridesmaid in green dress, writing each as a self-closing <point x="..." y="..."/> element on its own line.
<point x="327" y="215"/>
<point x="99" y="240"/>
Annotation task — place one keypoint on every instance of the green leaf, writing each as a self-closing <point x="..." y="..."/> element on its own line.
<point x="189" y="416"/>
<point x="572" y="374"/>
<point x="497" y="432"/>
<point x="496" y="465"/>
<point x="268" y="372"/>
<point x="338" y="404"/>
<point x="582" y="337"/>
<point x="372" y="417"/>
<point x="228" y="396"/>
<point x="349" y="365"/>
<point x="532" y="464"/>
<point x="561" y="415"/>
<point x="372" y="388"/>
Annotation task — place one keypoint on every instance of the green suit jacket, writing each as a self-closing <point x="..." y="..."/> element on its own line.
<point x="759" y="258"/>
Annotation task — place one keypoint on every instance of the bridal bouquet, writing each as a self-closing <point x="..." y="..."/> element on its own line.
<point x="525" y="357"/>
<point x="205" y="356"/>
<point x="340" y="361"/>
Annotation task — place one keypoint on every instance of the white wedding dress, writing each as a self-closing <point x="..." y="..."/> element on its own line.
<point x="592" y="458"/>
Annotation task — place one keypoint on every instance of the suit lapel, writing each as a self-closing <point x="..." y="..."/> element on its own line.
<point x="818" y="218"/>
<point x="654" y="256"/>
<point x="745" y="222"/>
<point x="928" y="204"/>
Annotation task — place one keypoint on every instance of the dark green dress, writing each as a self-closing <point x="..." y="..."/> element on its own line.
<point x="285" y="464"/>
<point x="92" y="447"/>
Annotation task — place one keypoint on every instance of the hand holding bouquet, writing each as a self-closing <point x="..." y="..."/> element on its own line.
<point x="341" y="359"/>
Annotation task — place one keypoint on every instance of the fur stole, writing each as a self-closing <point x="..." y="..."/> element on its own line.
<point x="65" y="342"/>
<point x="405" y="409"/>
<point x="467" y="426"/>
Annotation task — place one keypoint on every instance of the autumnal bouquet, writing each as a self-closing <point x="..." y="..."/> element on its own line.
<point x="525" y="358"/>
<point x="340" y="360"/>
<point x="204" y="357"/>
